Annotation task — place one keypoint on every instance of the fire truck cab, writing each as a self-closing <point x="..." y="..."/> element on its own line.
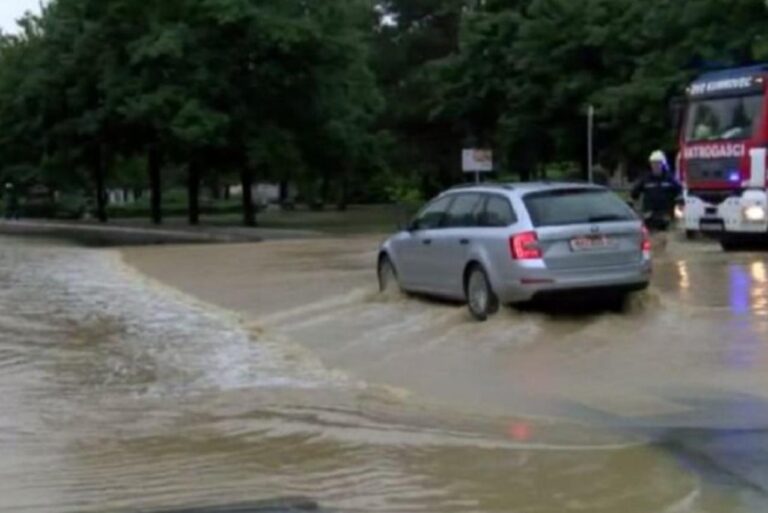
<point x="722" y="160"/>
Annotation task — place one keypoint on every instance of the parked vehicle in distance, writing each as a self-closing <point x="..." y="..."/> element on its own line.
<point x="722" y="159"/>
<point x="492" y="244"/>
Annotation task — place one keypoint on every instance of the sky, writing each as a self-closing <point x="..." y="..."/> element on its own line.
<point x="10" y="10"/>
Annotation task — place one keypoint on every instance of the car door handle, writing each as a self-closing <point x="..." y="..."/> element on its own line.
<point x="464" y="242"/>
<point x="426" y="242"/>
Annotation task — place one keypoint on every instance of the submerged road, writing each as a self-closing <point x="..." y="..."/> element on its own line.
<point x="281" y="372"/>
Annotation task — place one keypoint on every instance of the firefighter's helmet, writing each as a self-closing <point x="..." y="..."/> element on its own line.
<point x="658" y="156"/>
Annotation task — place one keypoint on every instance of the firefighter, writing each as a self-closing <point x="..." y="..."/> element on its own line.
<point x="659" y="191"/>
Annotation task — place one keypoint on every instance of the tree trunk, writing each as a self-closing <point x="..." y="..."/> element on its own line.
<point x="584" y="163"/>
<point x="99" y="181"/>
<point x="283" y="192"/>
<point x="526" y="161"/>
<point x="227" y="194"/>
<point x="246" y="180"/>
<point x="325" y="188"/>
<point x="215" y="186"/>
<point x="625" y="172"/>
<point x="525" y="174"/>
<point x="155" y="185"/>
<point x="193" y="190"/>
<point x="341" y="205"/>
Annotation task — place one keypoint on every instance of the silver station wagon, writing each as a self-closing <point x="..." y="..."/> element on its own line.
<point x="492" y="244"/>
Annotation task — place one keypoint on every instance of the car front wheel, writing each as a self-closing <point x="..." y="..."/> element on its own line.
<point x="387" y="276"/>
<point x="481" y="299"/>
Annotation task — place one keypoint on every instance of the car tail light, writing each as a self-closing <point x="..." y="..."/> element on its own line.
<point x="646" y="244"/>
<point x="525" y="246"/>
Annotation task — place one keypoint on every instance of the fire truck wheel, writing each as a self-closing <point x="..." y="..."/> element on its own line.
<point x="731" y="243"/>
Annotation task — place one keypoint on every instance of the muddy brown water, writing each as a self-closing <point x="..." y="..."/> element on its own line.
<point x="120" y="394"/>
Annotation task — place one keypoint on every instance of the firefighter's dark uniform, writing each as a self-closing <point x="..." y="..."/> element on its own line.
<point x="659" y="193"/>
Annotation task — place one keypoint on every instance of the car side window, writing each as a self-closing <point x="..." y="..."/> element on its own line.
<point x="464" y="211"/>
<point x="498" y="213"/>
<point x="432" y="215"/>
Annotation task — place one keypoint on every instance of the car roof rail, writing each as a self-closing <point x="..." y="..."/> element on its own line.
<point x="490" y="185"/>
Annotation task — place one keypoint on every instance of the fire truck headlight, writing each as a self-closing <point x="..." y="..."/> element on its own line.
<point x="755" y="214"/>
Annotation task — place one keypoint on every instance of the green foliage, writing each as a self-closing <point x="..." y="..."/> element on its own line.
<point x="404" y="191"/>
<point x="527" y="70"/>
<point x="279" y="87"/>
<point x="348" y="99"/>
<point x="67" y="206"/>
<point x="175" y="206"/>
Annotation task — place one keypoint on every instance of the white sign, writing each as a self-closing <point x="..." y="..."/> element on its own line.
<point x="721" y="85"/>
<point x="477" y="161"/>
<point x="715" y="151"/>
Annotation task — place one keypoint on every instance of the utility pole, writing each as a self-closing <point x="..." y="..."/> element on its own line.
<point x="590" y="142"/>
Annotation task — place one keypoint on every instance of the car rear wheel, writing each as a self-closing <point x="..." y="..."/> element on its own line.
<point x="387" y="276"/>
<point x="481" y="299"/>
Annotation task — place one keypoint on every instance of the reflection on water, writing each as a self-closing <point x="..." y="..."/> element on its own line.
<point x="741" y="281"/>
<point x="118" y="395"/>
<point x="760" y="288"/>
<point x="685" y="280"/>
<point x="740" y="289"/>
<point x="758" y="272"/>
<point x="748" y="288"/>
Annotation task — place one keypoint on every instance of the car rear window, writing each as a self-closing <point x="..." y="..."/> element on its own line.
<point x="576" y="206"/>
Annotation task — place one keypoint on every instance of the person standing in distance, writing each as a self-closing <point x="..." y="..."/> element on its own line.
<point x="659" y="191"/>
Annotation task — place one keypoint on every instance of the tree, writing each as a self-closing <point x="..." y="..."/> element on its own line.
<point x="21" y="88"/>
<point x="346" y="101"/>
<point x="526" y="71"/>
<point x="414" y="43"/>
<point x="81" y="54"/>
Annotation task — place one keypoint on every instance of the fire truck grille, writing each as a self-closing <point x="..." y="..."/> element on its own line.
<point x="711" y="171"/>
<point x="713" y="197"/>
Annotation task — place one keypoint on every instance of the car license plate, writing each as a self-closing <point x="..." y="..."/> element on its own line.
<point x="712" y="225"/>
<point x="591" y="243"/>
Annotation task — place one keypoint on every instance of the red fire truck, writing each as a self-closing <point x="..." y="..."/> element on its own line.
<point x="722" y="159"/>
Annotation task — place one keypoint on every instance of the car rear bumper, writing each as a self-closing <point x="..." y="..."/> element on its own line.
<point x="544" y="282"/>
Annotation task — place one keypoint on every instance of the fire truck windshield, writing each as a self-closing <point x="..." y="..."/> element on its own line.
<point x="723" y="118"/>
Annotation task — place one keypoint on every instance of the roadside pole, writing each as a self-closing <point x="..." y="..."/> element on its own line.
<point x="590" y="142"/>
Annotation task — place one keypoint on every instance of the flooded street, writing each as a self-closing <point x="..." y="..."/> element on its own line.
<point x="275" y="369"/>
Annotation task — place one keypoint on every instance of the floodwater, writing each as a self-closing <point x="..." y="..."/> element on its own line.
<point x="119" y="394"/>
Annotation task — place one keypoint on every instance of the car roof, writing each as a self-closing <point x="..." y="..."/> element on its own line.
<point x="522" y="187"/>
